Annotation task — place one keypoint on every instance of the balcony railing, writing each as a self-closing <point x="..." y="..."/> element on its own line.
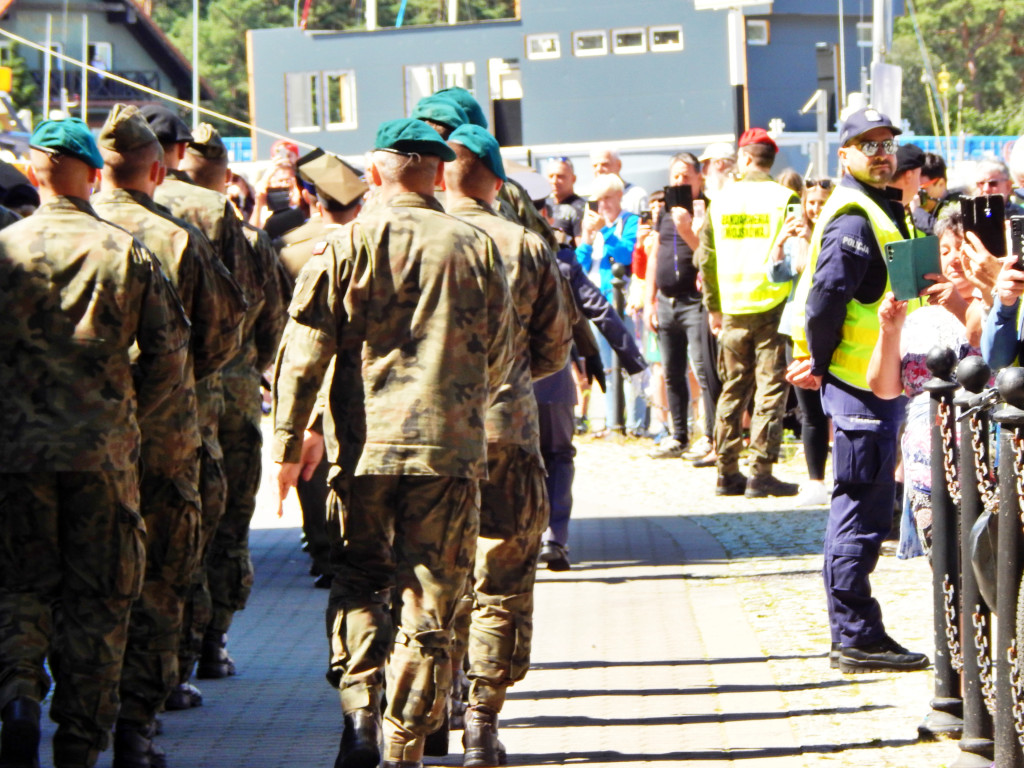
<point x="101" y="88"/>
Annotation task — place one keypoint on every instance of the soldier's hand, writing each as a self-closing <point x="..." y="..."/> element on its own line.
<point x="287" y="478"/>
<point x="715" y="322"/>
<point x="312" y="453"/>
<point x="595" y="371"/>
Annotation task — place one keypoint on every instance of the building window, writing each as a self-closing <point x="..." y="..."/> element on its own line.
<point x="757" y="32"/>
<point x="340" y="100"/>
<point x="590" y="43"/>
<point x="420" y="80"/>
<point x="666" y="38"/>
<point x="302" y="101"/>
<point x="458" y="74"/>
<point x="629" y="40"/>
<point x="544" y="46"/>
<point x="101" y="56"/>
<point x="865" y="34"/>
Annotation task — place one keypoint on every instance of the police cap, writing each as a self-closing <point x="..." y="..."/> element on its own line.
<point x="862" y="121"/>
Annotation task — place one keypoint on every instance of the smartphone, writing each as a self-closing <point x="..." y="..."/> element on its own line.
<point x="1017" y="241"/>
<point x="908" y="261"/>
<point x="645" y="217"/>
<point x="679" y="197"/>
<point x="794" y="209"/>
<point x="699" y="208"/>
<point x="984" y="215"/>
<point x="592" y="205"/>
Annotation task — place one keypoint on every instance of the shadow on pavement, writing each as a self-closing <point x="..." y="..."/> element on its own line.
<point x="601" y="664"/>
<point x="576" y="693"/>
<point x="710" y="717"/>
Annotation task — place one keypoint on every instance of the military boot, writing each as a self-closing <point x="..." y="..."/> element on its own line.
<point x="480" y="739"/>
<point x="360" y="740"/>
<point x="19" y="739"/>
<point x="436" y="744"/>
<point x="214" y="662"/>
<point x="183" y="696"/>
<point x="134" y="747"/>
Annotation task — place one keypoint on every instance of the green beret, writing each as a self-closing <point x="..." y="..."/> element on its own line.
<point x="478" y="141"/>
<point x="206" y="142"/>
<point x="409" y="136"/>
<point x="125" y="129"/>
<point x="462" y="97"/>
<point x="440" y="110"/>
<point x="69" y="136"/>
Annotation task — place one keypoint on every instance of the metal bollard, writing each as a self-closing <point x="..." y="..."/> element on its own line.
<point x="946" y="716"/>
<point x="977" y="491"/>
<point x="1009" y="712"/>
<point x="616" y="420"/>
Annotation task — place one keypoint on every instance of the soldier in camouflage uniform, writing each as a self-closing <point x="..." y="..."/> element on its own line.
<point x="75" y="293"/>
<point x="229" y="569"/>
<point x="169" y="471"/>
<point x="415" y="305"/>
<point x="7" y="217"/>
<point x="513" y="500"/>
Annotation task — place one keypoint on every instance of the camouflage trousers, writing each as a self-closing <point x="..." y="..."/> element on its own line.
<point x="198" y="607"/>
<point x="412" y="537"/>
<point x="229" y="566"/>
<point x="495" y="625"/>
<point x="72" y="554"/>
<point x="751" y="361"/>
<point x="171" y="511"/>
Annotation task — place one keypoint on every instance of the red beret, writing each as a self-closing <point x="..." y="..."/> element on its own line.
<point x="757" y="136"/>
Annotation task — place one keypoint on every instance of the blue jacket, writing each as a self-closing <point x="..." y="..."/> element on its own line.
<point x="618" y="241"/>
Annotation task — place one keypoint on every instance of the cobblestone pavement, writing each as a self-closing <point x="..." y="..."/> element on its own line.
<point x="690" y="631"/>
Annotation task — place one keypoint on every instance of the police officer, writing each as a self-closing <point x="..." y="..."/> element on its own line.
<point x="843" y="285"/>
<point x="75" y="294"/>
<point x="171" y="441"/>
<point x="744" y="309"/>
<point x="415" y="305"/>
<point x="513" y="499"/>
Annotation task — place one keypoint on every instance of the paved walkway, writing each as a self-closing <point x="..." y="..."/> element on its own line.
<point x="690" y="631"/>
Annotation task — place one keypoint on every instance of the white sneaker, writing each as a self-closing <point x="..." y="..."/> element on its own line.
<point x="813" y="494"/>
<point x="698" y="450"/>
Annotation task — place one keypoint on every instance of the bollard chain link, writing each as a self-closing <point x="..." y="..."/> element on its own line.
<point x="1016" y="691"/>
<point x="988" y="486"/>
<point x="1018" y="455"/>
<point x="945" y="418"/>
<point x="985" y="677"/>
<point x="956" y="656"/>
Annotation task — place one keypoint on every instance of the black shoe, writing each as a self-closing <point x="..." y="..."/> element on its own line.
<point x="884" y="656"/>
<point x="19" y="739"/>
<point x="731" y="485"/>
<point x="134" y="747"/>
<point x="769" y="485"/>
<point x="833" y="655"/>
<point x="436" y="744"/>
<point x="480" y="739"/>
<point x="402" y="764"/>
<point x="555" y="556"/>
<point x="184" y="696"/>
<point x="214" y="662"/>
<point x="360" y="740"/>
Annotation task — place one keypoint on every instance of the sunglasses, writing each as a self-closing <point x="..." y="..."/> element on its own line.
<point x="823" y="183"/>
<point x="991" y="182"/>
<point x="870" y="148"/>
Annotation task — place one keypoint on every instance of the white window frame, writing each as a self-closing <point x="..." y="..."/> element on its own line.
<point x="641" y="47"/>
<point x="602" y="51"/>
<point x="314" y="111"/>
<point x="105" y="53"/>
<point x="411" y="98"/>
<point x="347" y="98"/>
<point x="758" y="32"/>
<point x="460" y="74"/>
<point x="656" y="47"/>
<point x="544" y="37"/>
<point x="865" y="34"/>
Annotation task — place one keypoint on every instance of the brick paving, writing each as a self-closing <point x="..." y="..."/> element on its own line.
<point x="690" y="631"/>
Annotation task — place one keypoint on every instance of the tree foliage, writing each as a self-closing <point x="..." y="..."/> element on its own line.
<point x="979" y="43"/>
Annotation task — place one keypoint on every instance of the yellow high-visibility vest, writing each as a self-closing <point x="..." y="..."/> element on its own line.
<point x="860" y="329"/>
<point x="746" y="218"/>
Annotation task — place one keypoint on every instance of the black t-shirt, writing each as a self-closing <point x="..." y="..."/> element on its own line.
<point x="567" y="216"/>
<point x="676" y="273"/>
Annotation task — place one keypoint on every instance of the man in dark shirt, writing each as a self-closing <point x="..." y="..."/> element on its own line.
<point x="848" y="282"/>
<point x="564" y="206"/>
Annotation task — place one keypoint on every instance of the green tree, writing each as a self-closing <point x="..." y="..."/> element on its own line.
<point x="24" y="91"/>
<point x="978" y="42"/>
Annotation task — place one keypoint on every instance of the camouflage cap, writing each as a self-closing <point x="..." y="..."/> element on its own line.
<point x="125" y="129"/>
<point x="70" y="137"/>
<point x="462" y="97"/>
<point x="440" y="110"/>
<point x="166" y="124"/>
<point x="408" y="136"/>
<point x="331" y="176"/>
<point x="206" y="142"/>
<point x="478" y="141"/>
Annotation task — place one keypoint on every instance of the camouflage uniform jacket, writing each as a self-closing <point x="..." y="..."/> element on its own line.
<point x="543" y="336"/>
<point x="416" y="306"/>
<point x="75" y="292"/>
<point x="170" y="436"/>
<point x="7" y="217"/>
<point x="514" y="203"/>
<point x="297" y="246"/>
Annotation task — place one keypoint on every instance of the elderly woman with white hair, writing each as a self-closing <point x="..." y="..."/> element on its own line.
<point x="608" y="238"/>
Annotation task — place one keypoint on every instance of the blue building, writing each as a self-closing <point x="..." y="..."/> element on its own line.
<point x="650" y="76"/>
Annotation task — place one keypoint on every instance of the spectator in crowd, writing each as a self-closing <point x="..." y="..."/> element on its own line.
<point x="718" y="166"/>
<point x="898" y="367"/>
<point x="564" y="207"/>
<point x="907" y="179"/>
<point x="934" y="193"/>
<point x="992" y="177"/>
<point x="605" y="161"/>
<point x="788" y="261"/>
<point x="278" y="205"/>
